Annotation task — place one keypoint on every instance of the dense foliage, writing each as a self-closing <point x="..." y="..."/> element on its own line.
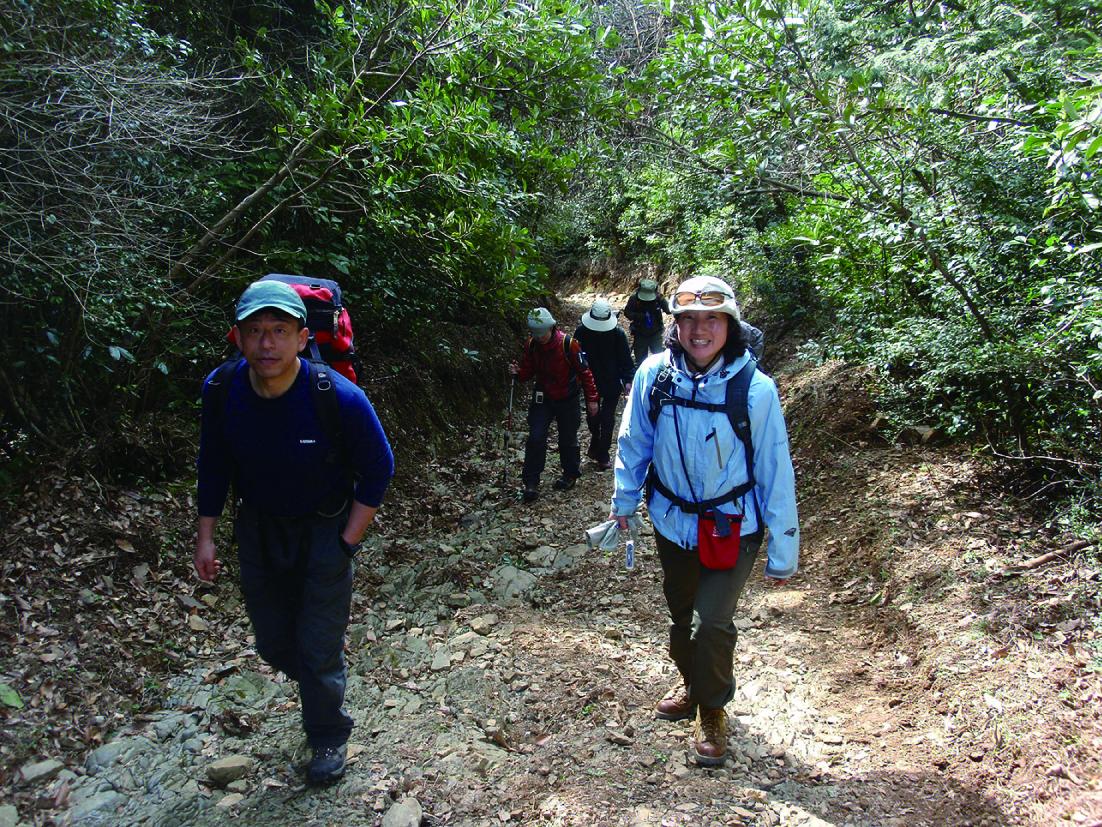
<point x="921" y="181"/>
<point x="155" y="157"/>
<point x="916" y="184"/>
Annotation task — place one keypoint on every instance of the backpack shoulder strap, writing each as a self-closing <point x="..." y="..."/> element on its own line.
<point x="738" y="411"/>
<point x="218" y="388"/>
<point x="324" y="394"/>
<point x="660" y="394"/>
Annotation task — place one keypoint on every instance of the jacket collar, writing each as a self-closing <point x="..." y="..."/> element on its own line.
<point x="720" y="371"/>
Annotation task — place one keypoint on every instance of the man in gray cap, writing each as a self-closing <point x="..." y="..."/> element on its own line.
<point x="644" y="309"/>
<point x="309" y="464"/>
<point x="556" y="363"/>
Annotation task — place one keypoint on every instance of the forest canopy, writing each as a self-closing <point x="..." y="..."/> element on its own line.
<point x="913" y="186"/>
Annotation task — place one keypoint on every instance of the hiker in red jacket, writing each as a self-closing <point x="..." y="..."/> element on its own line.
<point x="557" y="364"/>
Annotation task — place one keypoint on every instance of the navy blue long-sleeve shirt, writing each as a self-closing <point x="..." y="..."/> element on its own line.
<point x="276" y="451"/>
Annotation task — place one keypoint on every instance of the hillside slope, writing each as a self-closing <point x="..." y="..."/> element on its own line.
<point x="910" y="675"/>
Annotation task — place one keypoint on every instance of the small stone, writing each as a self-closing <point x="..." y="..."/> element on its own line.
<point x="484" y="623"/>
<point x="230" y="800"/>
<point x="228" y="769"/>
<point x="9" y="816"/>
<point x="441" y="659"/>
<point x="40" y="771"/>
<point x="618" y="738"/>
<point x="750" y="690"/>
<point x="406" y="813"/>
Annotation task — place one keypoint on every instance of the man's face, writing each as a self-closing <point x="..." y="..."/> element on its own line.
<point x="543" y="335"/>
<point x="271" y="344"/>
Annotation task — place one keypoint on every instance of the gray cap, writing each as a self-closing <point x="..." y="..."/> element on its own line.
<point x="540" y="319"/>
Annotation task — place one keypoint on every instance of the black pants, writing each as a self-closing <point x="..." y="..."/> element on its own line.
<point x="297" y="583"/>
<point x="569" y="418"/>
<point x="702" y="605"/>
<point x="602" y="427"/>
<point x="644" y="344"/>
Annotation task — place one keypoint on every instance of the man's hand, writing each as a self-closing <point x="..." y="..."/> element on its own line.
<point x="207" y="566"/>
<point x="514" y="368"/>
<point x="621" y="521"/>
<point x="359" y="518"/>
<point x="592" y="408"/>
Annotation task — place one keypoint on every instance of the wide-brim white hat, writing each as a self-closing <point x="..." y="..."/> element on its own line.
<point x="599" y="318"/>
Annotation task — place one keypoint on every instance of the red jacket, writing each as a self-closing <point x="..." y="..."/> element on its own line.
<point x="553" y="372"/>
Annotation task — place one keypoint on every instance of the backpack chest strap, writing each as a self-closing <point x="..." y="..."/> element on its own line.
<point x="688" y="506"/>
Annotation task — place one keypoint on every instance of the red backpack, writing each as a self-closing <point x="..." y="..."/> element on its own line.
<point x="331" y="338"/>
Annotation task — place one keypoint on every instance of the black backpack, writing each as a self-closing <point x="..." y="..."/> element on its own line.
<point x="736" y="407"/>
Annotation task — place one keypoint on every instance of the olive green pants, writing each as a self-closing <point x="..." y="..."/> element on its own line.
<point x="702" y="605"/>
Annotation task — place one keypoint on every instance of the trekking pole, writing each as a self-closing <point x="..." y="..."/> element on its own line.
<point x="508" y="432"/>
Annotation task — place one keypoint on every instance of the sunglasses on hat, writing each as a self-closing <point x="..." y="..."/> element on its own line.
<point x="708" y="298"/>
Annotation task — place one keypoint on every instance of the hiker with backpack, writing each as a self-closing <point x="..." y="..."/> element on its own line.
<point x="704" y="436"/>
<point x="557" y="364"/>
<point x="609" y="358"/>
<point x="644" y="310"/>
<point x="309" y="464"/>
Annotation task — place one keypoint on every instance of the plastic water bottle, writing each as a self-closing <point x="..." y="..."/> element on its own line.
<point x="629" y="555"/>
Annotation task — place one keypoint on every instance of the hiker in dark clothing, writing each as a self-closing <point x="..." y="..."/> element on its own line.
<point x="608" y="356"/>
<point x="644" y="309"/>
<point x="556" y="363"/>
<point x="306" y="496"/>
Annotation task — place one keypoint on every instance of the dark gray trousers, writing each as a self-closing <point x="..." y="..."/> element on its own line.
<point x="644" y="344"/>
<point x="569" y="416"/>
<point x="296" y="579"/>
<point x="702" y="605"/>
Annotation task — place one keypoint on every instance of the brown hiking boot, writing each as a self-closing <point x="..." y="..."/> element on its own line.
<point x="710" y="737"/>
<point x="676" y="706"/>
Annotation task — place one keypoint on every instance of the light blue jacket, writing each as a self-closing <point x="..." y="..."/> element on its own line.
<point x="715" y="464"/>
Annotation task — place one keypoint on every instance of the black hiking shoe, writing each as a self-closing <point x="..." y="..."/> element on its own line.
<point x="564" y="483"/>
<point x="327" y="765"/>
<point x="530" y="494"/>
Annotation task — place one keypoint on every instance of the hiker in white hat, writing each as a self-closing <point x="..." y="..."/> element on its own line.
<point x="703" y="435"/>
<point x="644" y="310"/>
<point x="607" y="353"/>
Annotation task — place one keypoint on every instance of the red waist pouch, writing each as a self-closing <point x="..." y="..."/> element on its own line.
<point x="717" y="537"/>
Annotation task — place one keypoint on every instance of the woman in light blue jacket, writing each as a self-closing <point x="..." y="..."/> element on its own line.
<point x="683" y="439"/>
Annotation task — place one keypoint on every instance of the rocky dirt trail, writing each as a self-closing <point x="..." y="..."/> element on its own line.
<point x="501" y="673"/>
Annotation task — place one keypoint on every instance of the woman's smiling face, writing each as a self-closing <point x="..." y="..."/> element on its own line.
<point x="702" y="334"/>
